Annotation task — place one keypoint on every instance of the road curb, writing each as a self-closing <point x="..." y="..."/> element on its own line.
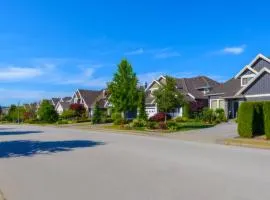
<point x="2" y="196"/>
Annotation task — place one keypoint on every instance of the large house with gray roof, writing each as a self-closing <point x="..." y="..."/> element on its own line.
<point x="194" y="90"/>
<point x="88" y="98"/>
<point x="251" y="83"/>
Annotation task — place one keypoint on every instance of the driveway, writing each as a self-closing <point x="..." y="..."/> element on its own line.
<point x="63" y="164"/>
<point x="214" y="134"/>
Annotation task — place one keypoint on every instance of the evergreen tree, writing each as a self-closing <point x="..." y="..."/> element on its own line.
<point x="123" y="89"/>
<point x="168" y="97"/>
<point x="96" y="118"/>
<point x="47" y="113"/>
<point x="141" y="105"/>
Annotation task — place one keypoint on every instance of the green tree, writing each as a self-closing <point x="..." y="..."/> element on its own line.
<point x="141" y="105"/>
<point x="97" y="114"/>
<point x="123" y="89"/>
<point x="68" y="114"/>
<point x="11" y="116"/>
<point x="168" y="97"/>
<point x="47" y="113"/>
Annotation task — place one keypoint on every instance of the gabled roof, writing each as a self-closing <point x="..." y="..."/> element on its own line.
<point x="253" y="80"/>
<point x="66" y="99"/>
<point x="189" y="87"/>
<point x="55" y="101"/>
<point x="192" y="86"/>
<point x="233" y="88"/>
<point x="89" y="96"/>
<point x="64" y="105"/>
<point x="227" y="89"/>
<point x="249" y="66"/>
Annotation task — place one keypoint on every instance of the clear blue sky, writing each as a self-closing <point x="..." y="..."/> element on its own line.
<point x="50" y="48"/>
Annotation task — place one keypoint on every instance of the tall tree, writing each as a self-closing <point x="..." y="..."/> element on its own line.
<point x="168" y="97"/>
<point x="141" y="105"/>
<point x="96" y="114"/>
<point x="123" y="89"/>
<point x="47" y="113"/>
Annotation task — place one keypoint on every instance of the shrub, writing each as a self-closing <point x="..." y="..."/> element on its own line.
<point x="220" y="115"/>
<point x="138" y="123"/>
<point x="186" y="110"/>
<point x="162" y="125"/>
<point x="250" y="119"/>
<point x="172" y="125"/>
<point x="180" y="119"/>
<point x="152" y="125"/>
<point x="78" y="109"/>
<point x="83" y="120"/>
<point x="208" y="115"/>
<point x="117" y="119"/>
<point x="266" y="110"/>
<point x="68" y="114"/>
<point x="160" y="117"/>
<point x="62" y="122"/>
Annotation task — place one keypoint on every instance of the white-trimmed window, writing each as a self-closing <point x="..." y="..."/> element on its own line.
<point x="246" y="78"/>
<point x="217" y="103"/>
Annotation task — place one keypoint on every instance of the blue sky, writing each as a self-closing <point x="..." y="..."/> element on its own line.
<point x="51" y="48"/>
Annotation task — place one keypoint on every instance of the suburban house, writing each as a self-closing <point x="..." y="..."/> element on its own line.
<point x="54" y="101"/>
<point x="88" y="98"/>
<point x="251" y="83"/>
<point x="66" y="99"/>
<point x="194" y="90"/>
<point x="63" y="104"/>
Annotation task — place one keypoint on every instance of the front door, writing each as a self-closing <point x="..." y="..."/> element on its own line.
<point x="235" y="108"/>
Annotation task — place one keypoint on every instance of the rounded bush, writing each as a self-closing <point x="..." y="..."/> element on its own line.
<point x="160" y="117"/>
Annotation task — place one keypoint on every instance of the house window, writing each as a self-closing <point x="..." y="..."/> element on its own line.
<point x="214" y="104"/>
<point x="222" y="104"/>
<point x="217" y="103"/>
<point x="245" y="79"/>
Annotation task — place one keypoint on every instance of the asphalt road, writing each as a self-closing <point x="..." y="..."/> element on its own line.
<point x="60" y="164"/>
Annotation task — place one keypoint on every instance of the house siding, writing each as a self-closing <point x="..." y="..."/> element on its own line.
<point x="259" y="86"/>
<point x="261" y="64"/>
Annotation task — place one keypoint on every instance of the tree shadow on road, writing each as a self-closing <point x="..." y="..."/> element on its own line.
<point x="2" y="133"/>
<point x="19" y="148"/>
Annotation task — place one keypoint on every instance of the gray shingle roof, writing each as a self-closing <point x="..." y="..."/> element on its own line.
<point x="91" y="97"/>
<point x="55" y="101"/>
<point x="190" y="87"/>
<point x="65" y="105"/>
<point x="227" y="89"/>
<point x="194" y="84"/>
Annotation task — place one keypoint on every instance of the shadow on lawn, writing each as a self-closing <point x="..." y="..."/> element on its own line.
<point x="18" y="148"/>
<point x="17" y="132"/>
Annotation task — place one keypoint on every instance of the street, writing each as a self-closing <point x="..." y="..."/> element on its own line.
<point x="45" y="163"/>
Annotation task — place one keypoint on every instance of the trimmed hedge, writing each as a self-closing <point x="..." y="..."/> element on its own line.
<point x="245" y="120"/>
<point x="250" y="119"/>
<point x="266" y="110"/>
